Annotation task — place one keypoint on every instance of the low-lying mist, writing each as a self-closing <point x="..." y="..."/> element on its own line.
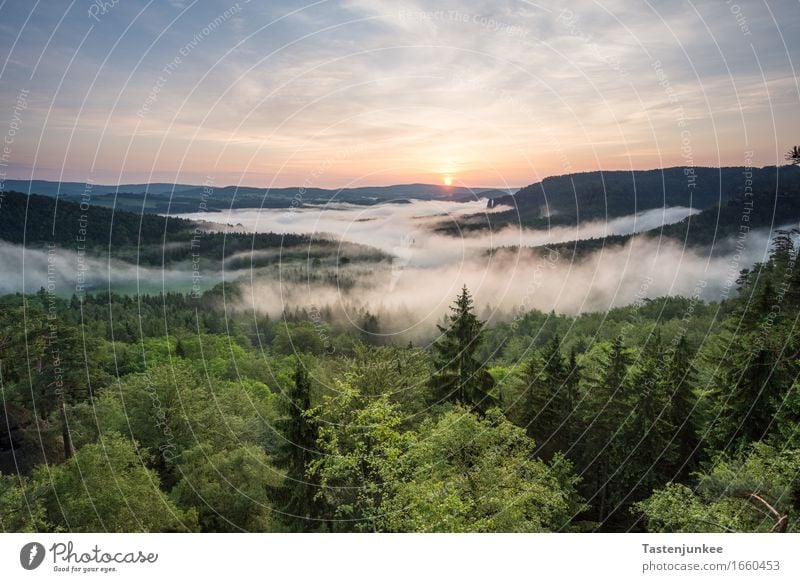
<point x="410" y="298"/>
<point x="413" y="290"/>
<point x="408" y="228"/>
<point x="64" y="272"/>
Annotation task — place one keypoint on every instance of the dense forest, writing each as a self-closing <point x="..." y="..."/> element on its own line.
<point x="571" y="198"/>
<point x="714" y="231"/>
<point x="183" y="198"/>
<point x="174" y="413"/>
<point x="144" y="239"/>
<point x="577" y="198"/>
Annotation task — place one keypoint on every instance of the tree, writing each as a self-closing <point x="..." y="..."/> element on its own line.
<point x="230" y="489"/>
<point x="679" y="384"/>
<point x="299" y="338"/>
<point x="548" y="402"/>
<point x="300" y="432"/>
<point x="609" y="396"/>
<point x="787" y="419"/>
<point x="107" y="486"/>
<point x="643" y="450"/>
<point x="754" y="491"/>
<point x="744" y="392"/>
<point x="370" y="328"/>
<point x="171" y="408"/>
<point x="361" y="450"/>
<point x="401" y="374"/>
<point x="458" y="375"/>
<point x="21" y="510"/>
<point x="571" y="400"/>
<point x="793" y="155"/>
<point x="466" y="473"/>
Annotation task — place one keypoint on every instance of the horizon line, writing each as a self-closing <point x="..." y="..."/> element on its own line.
<point x="442" y="186"/>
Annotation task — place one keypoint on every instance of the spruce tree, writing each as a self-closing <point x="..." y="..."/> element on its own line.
<point x="301" y="433"/>
<point x="546" y="403"/>
<point x="459" y="376"/>
<point x="571" y="403"/>
<point x="679" y="383"/>
<point x="644" y="446"/>
<point x="607" y="412"/>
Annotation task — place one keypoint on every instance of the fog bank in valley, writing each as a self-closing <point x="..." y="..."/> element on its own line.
<point x="414" y="289"/>
<point x="64" y="272"/>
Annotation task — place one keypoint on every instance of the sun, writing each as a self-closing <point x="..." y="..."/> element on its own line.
<point x="447" y="180"/>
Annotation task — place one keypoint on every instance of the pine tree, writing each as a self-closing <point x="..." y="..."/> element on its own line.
<point x="459" y="376"/>
<point x="301" y="433"/>
<point x="545" y="405"/>
<point x="679" y="386"/>
<point x="607" y="412"/>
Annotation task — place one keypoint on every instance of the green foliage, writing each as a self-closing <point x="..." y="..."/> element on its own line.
<point x="170" y="409"/>
<point x="361" y="448"/>
<point x="232" y="490"/>
<point x="298" y="338"/>
<point x="600" y="195"/>
<point x="139" y="237"/>
<point x="220" y="420"/>
<point x="754" y="491"/>
<point x="458" y="375"/>
<point x="550" y="398"/>
<point x="300" y="432"/>
<point x="464" y="473"/>
<point x="21" y="509"/>
<point x="402" y="374"/>
<point x="107" y="487"/>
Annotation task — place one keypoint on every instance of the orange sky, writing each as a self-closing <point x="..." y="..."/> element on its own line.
<point x="381" y="92"/>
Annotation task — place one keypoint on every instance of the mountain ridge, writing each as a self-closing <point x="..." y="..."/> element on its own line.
<point x="621" y="192"/>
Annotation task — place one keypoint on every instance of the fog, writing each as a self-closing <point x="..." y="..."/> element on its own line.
<point x="413" y="290"/>
<point x="64" y="272"/>
<point x="410" y="297"/>
<point x="406" y="230"/>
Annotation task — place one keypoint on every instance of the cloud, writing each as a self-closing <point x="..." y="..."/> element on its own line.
<point x="413" y="290"/>
<point x="484" y="86"/>
<point x="409" y="301"/>
<point x="388" y="226"/>
<point x="63" y="272"/>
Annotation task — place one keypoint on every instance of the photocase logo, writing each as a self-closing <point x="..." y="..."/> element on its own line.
<point x="31" y="555"/>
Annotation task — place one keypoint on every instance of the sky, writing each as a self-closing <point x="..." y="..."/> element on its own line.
<point x="371" y="92"/>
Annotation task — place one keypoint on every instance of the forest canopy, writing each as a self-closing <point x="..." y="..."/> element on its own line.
<point x="666" y="415"/>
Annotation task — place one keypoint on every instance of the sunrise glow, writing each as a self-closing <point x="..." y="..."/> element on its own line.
<point x="500" y="107"/>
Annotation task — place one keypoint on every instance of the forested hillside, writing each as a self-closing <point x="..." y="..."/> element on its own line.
<point x="713" y="231"/>
<point x="169" y="413"/>
<point x="588" y="196"/>
<point x="182" y="198"/>
<point x="145" y="239"/>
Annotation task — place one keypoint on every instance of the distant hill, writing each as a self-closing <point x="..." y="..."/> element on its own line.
<point x="36" y="220"/>
<point x="150" y="239"/>
<point x="76" y="189"/>
<point x="586" y="196"/>
<point x="161" y="198"/>
<point x="714" y="230"/>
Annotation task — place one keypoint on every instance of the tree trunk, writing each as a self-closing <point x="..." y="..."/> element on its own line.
<point x="603" y="491"/>
<point x="69" y="451"/>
